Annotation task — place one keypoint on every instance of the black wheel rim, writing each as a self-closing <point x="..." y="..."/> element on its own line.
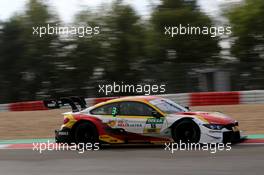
<point x="186" y="133"/>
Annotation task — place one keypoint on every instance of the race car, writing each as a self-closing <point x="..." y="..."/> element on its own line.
<point x="144" y="119"/>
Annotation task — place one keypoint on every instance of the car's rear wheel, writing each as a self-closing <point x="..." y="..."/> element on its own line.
<point x="86" y="133"/>
<point x="186" y="131"/>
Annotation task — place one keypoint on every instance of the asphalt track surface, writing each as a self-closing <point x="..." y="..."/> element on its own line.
<point x="126" y="160"/>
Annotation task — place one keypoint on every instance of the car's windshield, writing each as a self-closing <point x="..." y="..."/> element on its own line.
<point x="168" y="106"/>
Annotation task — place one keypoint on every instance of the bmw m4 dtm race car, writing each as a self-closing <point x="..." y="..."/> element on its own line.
<point x="142" y="119"/>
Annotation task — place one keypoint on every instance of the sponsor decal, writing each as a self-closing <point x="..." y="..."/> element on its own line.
<point x="125" y="123"/>
<point x="111" y="123"/>
<point x="155" y="121"/>
<point x="153" y="125"/>
<point x="63" y="133"/>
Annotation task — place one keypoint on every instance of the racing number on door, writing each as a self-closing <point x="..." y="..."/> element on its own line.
<point x="153" y="125"/>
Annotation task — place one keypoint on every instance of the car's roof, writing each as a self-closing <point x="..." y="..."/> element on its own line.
<point x="130" y="98"/>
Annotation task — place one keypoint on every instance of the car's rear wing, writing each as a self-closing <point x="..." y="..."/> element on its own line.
<point x="74" y="103"/>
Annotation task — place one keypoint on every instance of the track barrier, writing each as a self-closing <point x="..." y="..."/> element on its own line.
<point x="185" y="99"/>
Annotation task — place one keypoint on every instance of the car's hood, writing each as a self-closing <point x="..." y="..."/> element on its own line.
<point x="210" y="117"/>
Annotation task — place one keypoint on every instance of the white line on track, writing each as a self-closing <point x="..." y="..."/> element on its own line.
<point x="4" y="146"/>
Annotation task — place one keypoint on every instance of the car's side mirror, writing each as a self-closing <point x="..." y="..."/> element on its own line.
<point x="187" y="107"/>
<point x="155" y="114"/>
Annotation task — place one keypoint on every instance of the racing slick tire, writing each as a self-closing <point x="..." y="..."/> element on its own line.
<point x="186" y="131"/>
<point x="86" y="133"/>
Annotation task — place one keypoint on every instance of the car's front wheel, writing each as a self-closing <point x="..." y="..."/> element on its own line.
<point x="186" y="131"/>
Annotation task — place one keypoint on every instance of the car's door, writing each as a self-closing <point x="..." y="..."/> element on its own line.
<point x="137" y="117"/>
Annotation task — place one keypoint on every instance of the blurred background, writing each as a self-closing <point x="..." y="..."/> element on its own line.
<point x="130" y="48"/>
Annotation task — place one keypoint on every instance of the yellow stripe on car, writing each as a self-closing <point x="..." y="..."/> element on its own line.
<point x="201" y="118"/>
<point x="110" y="139"/>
